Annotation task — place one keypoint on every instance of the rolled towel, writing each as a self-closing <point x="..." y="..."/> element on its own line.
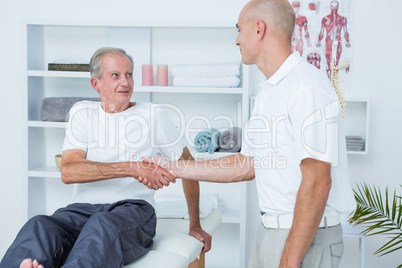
<point x="57" y="108"/>
<point x="225" y="81"/>
<point x="230" y="140"/>
<point x="207" y="70"/>
<point x="207" y="141"/>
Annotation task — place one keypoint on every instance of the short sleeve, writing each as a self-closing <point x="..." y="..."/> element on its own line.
<point x="315" y="121"/>
<point x="247" y="140"/>
<point x="167" y="138"/>
<point x="76" y="136"/>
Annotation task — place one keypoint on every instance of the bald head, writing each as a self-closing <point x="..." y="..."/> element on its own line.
<point x="277" y="14"/>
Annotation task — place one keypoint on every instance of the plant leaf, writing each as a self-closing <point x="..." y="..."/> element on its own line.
<point x="380" y="216"/>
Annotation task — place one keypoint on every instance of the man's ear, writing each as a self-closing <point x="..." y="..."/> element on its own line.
<point x="260" y="29"/>
<point x="95" y="83"/>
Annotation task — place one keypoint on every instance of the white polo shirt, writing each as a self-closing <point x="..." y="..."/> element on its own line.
<point x="142" y="130"/>
<point x="296" y="116"/>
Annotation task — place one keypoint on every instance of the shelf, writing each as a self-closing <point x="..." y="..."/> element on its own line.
<point x="207" y="156"/>
<point x="202" y="90"/>
<point x="45" y="172"/>
<point x="357" y="152"/>
<point x="37" y="73"/>
<point x="231" y="216"/>
<point x="356" y="121"/>
<point x="47" y="124"/>
<point x="133" y="23"/>
<point x="147" y="89"/>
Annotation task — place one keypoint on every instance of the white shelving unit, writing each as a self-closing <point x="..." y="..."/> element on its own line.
<point x="148" y="42"/>
<point x="357" y="114"/>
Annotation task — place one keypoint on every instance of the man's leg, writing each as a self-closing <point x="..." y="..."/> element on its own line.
<point x="326" y="249"/>
<point x="47" y="239"/>
<point x="117" y="236"/>
<point x="268" y="247"/>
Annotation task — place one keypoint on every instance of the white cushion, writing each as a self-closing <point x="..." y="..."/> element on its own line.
<point x="172" y="244"/>
<point x="156" y="258"/>
<point x="172" y="235"/>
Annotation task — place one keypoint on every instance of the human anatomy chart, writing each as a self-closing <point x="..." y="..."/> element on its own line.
<point x="323" y="34"/>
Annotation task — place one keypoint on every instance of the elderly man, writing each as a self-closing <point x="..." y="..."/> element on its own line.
<point x="111" y="221"/>
<point x="297" y="122"/>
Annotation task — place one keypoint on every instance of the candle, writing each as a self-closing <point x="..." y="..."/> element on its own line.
<point x="147" y="75"/>
<point x="162" y="75"/>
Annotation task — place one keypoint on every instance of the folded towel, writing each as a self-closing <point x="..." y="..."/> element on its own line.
<point x="354" y="142"/>
<point x="207" y="141"/>
<point x="57" y="108"/>
<point x="359" y="138"/>
<point x="207" y="70"/>
<point x="355" y="148"/>
<point x="175" y="206"/>
<point x="230" y="140"/>
<point x="225" y="81"/>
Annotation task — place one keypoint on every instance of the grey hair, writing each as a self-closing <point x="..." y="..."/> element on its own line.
<point x="95" y="64"/>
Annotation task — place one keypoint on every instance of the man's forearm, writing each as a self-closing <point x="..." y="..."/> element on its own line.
<point x="89" y="171"/>
<point x="83" y="171"/>
<point x="309" y="209"/>
<point x="233" y="168"/>
<point x="192" y="193"/>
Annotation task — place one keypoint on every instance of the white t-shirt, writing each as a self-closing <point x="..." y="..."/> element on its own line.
<point x="142" y="130"/>
<point x="296" y="116"/>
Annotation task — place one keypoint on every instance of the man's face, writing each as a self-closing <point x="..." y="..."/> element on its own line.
<point x="116" y="85"/>
<point x="246" y="39"/>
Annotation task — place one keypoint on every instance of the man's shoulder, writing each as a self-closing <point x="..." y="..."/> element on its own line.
<point x="145" y="108"/>
<point x="86" y="104"/>
<point x="308" y="77"/>
<point x="149" y="110"/>
<point x="84" y="107"/>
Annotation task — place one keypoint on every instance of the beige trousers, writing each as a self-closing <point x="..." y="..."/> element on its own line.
<point x="325" y="251"/>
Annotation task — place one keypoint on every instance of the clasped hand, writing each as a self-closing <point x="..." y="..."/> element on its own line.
<point x="156" y="173"/>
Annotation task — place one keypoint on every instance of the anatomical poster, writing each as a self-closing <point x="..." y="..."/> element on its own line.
<point x="323" y="36"/>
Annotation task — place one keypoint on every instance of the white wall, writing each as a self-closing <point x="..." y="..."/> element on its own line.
<point x="376" y="75"/>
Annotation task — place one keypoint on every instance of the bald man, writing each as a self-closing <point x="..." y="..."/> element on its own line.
<point x="293" y="145"/>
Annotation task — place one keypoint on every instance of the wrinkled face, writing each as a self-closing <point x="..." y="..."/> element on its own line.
<point x="116" y="85"/>
<point x="334" y="5"/>
<point x="246" y="39"/>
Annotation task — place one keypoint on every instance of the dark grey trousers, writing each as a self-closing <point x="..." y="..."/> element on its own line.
<point x="85" y="236"/>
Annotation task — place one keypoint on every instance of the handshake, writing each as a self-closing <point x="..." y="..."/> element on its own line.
<point x="155" y="172"/>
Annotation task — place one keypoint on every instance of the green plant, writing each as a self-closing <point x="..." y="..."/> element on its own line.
<point x="379" y="216"/>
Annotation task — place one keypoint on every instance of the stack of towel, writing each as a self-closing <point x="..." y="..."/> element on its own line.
<point x="207" y="141"/>
<point x="211" y="140"/>
<point x="57" y="108"/>
<point x="354" y="143"/>
<point x="207" y="75"/>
